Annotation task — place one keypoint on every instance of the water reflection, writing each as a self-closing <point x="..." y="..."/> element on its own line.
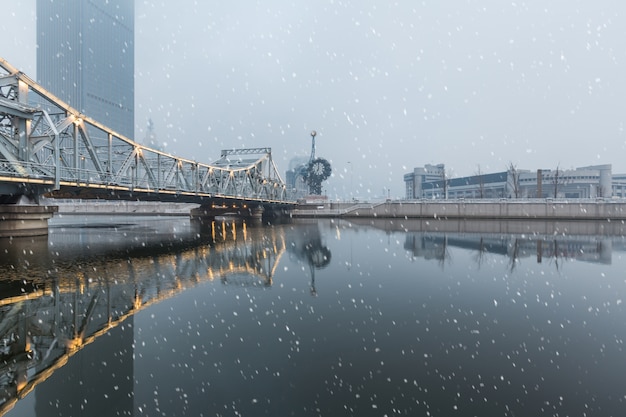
<point x="435" y="246"/>
<point x="545" y="241"/>
<point x="83" y="311"/>
<point x="60" y="295"/>
<point x="306" y="245"/>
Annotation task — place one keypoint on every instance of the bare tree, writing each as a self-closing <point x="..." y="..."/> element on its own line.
<point x="513" y="180"/>
<point x="557" y="180"/>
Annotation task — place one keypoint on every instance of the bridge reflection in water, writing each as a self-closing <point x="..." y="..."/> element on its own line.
<point x="88" y="280"/>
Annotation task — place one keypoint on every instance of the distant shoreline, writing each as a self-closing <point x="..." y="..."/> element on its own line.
<point x="546" y="209"/>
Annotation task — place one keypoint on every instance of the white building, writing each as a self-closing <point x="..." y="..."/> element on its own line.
<point x="585" y="182"/>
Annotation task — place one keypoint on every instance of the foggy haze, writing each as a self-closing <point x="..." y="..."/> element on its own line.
<point x="388" y="86"/>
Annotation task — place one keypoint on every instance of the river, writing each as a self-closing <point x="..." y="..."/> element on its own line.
<point x="146" y="316"/>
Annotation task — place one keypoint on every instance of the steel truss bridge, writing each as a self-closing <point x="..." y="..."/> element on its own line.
<point x="49" y="148"/>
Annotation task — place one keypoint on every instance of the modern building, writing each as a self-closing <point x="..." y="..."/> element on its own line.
<point x="85" y="56"/>
<point x="294" y="177"/>
<point x="595" y="181"/>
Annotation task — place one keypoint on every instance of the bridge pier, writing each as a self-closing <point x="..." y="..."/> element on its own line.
<point x="256" y="214"/>
<point x="25" y="220"/>
<point x="207" y="214"/>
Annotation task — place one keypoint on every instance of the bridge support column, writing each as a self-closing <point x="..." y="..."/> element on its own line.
<point x="25" y="220"/>
<point x="203" y="214"/>
<point x="256" y="214"/>
<point x="207" y="214"/>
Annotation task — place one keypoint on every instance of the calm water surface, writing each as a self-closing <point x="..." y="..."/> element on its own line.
<point x="137" y="316"/>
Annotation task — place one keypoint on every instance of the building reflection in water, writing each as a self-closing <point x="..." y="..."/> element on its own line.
<point x="546" y="241"/>
<point x="60" y="293"/>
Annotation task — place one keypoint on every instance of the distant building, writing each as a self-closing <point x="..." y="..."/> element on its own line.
<point x="85" y="56"/>
<point x="150" y="139"/>
<point x="585" y="182"/>
<point x="421" y="178"/>
<point x="294" y="177"/>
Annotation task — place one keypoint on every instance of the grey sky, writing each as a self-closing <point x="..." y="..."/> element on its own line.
<point x="388" y="85"/>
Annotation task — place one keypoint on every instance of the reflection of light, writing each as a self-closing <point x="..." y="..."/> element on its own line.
<point x="223" y="231"/>
<point x="74" y="344"/>
<point x="80" y="278"/>
<point x="141" y="288"/>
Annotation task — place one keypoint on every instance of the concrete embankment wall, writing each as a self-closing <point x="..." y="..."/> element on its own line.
<point x="507" y="209"/>
<point x="125" y="207"/>
<point x="551" y="210"/>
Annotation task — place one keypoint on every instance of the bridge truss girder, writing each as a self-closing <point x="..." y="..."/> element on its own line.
<point x="45" y="142"/>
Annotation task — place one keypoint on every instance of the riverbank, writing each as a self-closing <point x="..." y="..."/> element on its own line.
<point x="123" y="207"/>
<point x="545" y="209"/>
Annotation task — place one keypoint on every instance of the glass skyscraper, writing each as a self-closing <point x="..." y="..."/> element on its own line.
<point x="85" y="56"/>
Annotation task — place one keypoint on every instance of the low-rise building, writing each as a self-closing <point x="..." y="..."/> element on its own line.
<point x="594" y="181"/>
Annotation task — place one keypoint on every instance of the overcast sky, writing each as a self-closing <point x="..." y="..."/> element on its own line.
<point x="387" y="85"/>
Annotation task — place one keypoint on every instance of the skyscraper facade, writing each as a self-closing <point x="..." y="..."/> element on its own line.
<point x="85" y="56"/>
